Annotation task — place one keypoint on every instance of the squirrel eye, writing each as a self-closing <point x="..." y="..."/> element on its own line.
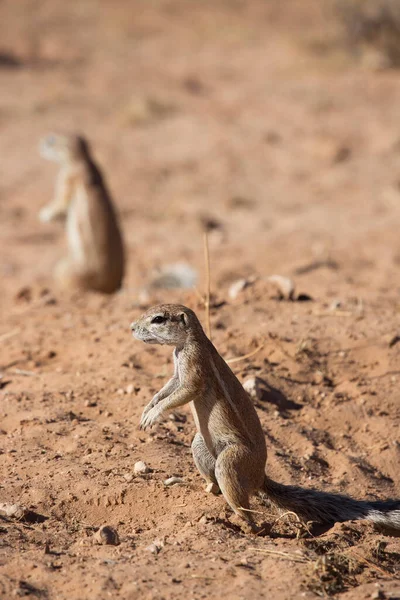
<point x="158" y="319"/>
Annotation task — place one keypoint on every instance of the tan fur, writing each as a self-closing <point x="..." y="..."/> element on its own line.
<point x="229" y="448"/>
<point x="95" y="259"/>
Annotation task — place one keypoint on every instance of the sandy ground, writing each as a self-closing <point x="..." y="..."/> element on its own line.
<point x="248" y="117"/>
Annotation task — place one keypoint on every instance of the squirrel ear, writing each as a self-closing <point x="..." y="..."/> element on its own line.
<point x="184" y="318"/>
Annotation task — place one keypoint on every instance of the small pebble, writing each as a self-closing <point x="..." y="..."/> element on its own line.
<point x="237" y="287"/>
<point x="16" y="511"/>
<point x="90" y="403"/>
<point x="212" y="488"/>
<point x="106" y="535"/>
<point x="318" y="377"/>
<point x="155" y="547"/>
<point x="140" y="468"/>
<point x="130" y="388"/>
<point x="284" y="285"/>
<point x="173" y="480"/>
<point x="203" y="520"/>
<point x="378" y="595"/>
<point x="255" y="387"/>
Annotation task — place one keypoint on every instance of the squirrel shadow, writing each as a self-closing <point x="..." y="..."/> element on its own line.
<point x="272" y="395"/>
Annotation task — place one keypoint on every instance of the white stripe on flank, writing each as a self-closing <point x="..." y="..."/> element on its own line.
<point x="226" y="393"/>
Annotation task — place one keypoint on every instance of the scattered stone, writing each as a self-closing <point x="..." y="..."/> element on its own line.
<point x="255" y="387"/>
<point x="140" y="468"/>
<point x="212" y="488"/>
<point x="107" y="536"/>
<point x="284" y="285"/>
<point x="90" y="403"/>
<point x="394" y="340"/>
<point x="25" y="294"/>
<point x="318" y="378"/>
<point x="204" y="520"/>
<point x="335" y="304"/>
<point x="176" y="276"/>
<point x="156" y="546"/>
<point x="378" y="595"/>
<point x="173" y="481"/>
<point x="21" y="513"/>
<point x="14" y="511"/>
<point x="130" y="388"/>
<point x="237" y="287"/>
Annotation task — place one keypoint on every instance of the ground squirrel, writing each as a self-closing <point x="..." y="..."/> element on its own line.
<point x="95" y="258"/>
<point x="229" y="447"/>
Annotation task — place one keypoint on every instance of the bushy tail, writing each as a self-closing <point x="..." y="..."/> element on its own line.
<point x="322" y="507"/>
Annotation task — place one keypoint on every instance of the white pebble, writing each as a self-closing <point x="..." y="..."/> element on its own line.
<point x="255" y="387"/>
<point x="140" y="467"/>
<point x="237" y="286"/>
<point x="284" y="285"/>
<point x="173" y="480"/>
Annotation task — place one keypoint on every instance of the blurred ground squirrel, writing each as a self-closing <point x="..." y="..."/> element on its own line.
<point x="95" y="258"/>
<point x="229" y="448"/>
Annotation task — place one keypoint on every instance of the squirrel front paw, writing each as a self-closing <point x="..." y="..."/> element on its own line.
<point x="149" y="417"/>
<point x="149" y="406"/>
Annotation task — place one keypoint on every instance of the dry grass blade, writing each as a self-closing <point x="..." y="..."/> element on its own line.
<point x="208" y="284"/>
<point x="24" y="373"/>
<point x="333" y="313"/>
<point x="256" y="512"/>
<point x="286" y="555"/>
<point x="9" y="334"/>
<point x="249" y="355"/>
<point x="301" y="527"/>
<point x="369" y="563"/>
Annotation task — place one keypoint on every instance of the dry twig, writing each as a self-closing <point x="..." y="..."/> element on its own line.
<point x="208" y="285"/>
<point x="249" y="355"/>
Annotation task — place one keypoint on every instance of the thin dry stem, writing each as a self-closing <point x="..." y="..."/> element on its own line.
<point x="256" y="512"/>
<point x="6" y="336"/>
<point x="249" y="355"/>
<point x="286" y="555"/>
<point x="208" y="284"/>
<point x="370" y="563"/>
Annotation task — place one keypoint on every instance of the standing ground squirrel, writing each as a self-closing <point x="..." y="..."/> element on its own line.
<point x="229" y="447"/>
<point x="95" y="258"/>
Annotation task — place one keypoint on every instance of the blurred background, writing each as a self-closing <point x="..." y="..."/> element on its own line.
<point x="274" y="125"/>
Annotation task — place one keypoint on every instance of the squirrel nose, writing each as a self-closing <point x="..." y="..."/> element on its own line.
<point x="133" y="325"/>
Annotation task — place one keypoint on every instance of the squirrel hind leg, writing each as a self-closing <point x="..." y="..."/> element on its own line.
<point x="232" y="470"/>
<point x="65" y="275"/>
<point x="204" y="461"/>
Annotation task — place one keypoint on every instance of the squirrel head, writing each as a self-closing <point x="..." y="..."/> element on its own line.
<point x="169" y="324"/>
<point x="64" y="149"/>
